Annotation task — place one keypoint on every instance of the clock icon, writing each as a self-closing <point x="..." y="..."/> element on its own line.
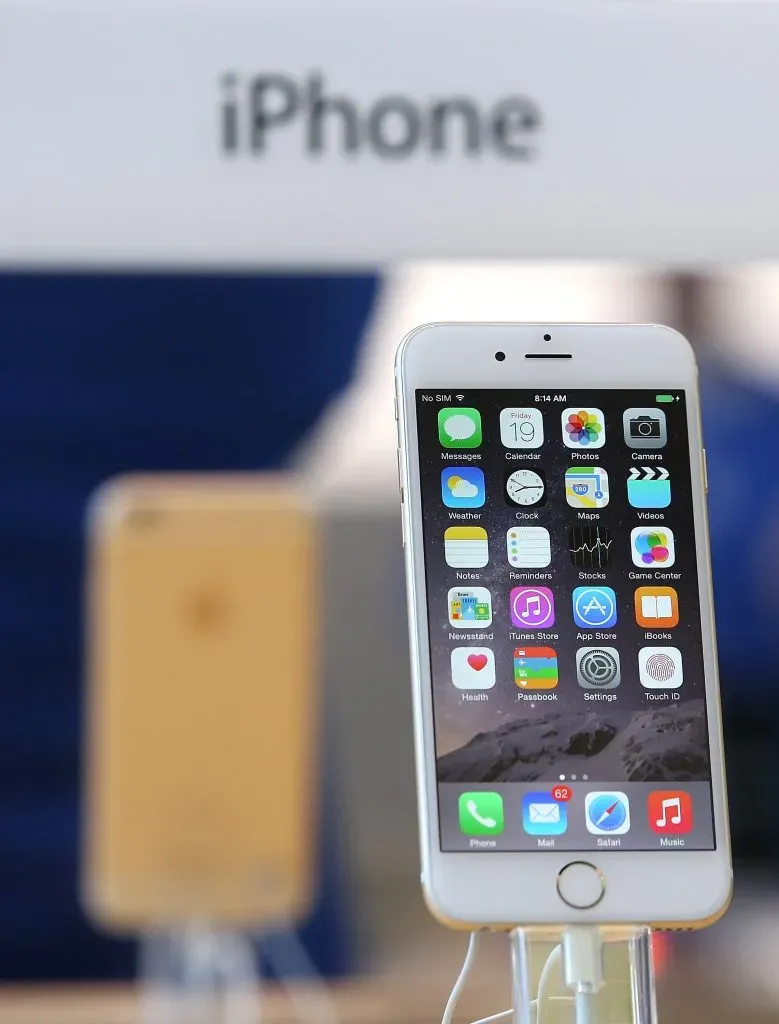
<point x="526" y="487"/>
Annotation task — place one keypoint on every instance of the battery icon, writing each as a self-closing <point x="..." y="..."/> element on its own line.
<point x="664" y="398"/>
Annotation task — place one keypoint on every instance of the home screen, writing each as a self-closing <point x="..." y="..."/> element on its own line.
<point x="564" y="620"/>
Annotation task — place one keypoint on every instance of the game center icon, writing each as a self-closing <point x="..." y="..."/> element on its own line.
<point x="652" y="547"/>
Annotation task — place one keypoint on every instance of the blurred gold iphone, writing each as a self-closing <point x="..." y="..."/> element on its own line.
<point x="202" y="698"/>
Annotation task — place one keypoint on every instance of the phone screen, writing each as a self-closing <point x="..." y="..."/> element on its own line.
<point x="564" y="621"/>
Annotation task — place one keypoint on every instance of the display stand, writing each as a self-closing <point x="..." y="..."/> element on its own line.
<point x="197" y="974"/>
<point x="545" y="991"/>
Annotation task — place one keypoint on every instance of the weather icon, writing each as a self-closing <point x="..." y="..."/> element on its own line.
<point x="462" y="487"/>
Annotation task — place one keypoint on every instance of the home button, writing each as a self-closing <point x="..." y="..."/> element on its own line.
<point x="581" y="885"/>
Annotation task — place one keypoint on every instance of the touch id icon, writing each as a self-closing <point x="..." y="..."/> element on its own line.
<point x="660" y="668"/>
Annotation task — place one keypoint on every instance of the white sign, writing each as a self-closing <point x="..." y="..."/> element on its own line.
<point x="352" y="133"/>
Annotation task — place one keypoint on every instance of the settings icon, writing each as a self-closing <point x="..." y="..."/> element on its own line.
<point x="598" y="668"/>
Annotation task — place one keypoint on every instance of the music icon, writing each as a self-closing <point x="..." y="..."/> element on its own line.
<point x="532" y="607"/>
<point x="670" y="812"/>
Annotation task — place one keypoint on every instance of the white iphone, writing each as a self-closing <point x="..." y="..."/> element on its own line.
<point x="568" y="733"/>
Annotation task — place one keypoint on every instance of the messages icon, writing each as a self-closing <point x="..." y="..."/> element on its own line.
<point x="542" y="815"/>
<point x="459" y="428"/>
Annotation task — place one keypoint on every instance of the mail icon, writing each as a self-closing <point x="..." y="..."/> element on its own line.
<point x="542" y="815"/>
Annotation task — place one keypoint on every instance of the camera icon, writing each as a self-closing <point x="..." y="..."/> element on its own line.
<point x="645" y="428"/>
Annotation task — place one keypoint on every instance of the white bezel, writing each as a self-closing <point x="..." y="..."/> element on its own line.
<point x="684" y="888"/>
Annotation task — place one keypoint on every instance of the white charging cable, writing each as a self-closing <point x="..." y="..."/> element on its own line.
<point x="583" y="968"/>
<point x="582" y="954"/>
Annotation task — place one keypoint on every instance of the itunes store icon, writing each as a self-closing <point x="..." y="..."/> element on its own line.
<point x="532" y="607"/>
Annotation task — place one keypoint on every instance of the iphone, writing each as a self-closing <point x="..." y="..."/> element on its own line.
<point x="568" y="733"/>
<point x="202" y="702"/>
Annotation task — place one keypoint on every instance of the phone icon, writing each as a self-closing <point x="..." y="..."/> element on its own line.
<point x="481" y="813"/>
<point x="459" y="428"/>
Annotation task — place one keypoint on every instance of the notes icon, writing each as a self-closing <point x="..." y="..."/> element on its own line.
<point x="465" y="547"/>
<point x="670" y="812"/>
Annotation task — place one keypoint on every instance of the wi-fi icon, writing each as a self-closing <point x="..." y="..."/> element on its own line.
<point x="459" y="397"/>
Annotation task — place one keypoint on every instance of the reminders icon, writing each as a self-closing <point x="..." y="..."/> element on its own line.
<point x="465" y="547"/>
